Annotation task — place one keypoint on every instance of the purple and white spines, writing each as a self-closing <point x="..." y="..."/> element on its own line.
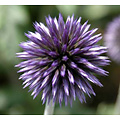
<point x="60" y="59"/>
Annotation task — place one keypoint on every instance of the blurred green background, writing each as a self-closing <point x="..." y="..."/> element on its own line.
<point x="14" y="22"/>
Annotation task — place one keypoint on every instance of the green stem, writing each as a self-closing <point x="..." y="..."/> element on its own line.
<point x="49" y="108"/>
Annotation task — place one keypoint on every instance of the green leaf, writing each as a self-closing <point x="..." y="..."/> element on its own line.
<point x="13" y="17"/>
<point x="67" y="9"/>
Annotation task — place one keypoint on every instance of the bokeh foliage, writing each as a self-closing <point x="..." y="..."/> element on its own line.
<point x="14" y="22"/>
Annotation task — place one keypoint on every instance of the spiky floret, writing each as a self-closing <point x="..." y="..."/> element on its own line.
<point x="60" y="60"/>
<point x="112" y="39"/>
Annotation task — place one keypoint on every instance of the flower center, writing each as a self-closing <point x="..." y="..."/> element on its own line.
<point x="65" y="58"/>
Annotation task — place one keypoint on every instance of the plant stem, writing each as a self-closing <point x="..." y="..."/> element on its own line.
<point x="49" y="108"/>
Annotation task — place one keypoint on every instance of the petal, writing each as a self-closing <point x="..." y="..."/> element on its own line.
<point x="63" y="70"/>
<point x="55" y="77"/>
<point x="70" y="77"/>
<point x="51" y="68"/>
<point x="83" y="29"/>
<point x="66" y="86"/>
<point x="60" y="24"/>
<point x="45" y="81"/>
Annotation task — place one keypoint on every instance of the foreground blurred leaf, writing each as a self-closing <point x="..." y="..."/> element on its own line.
<point x="76" y="109"/>
<point x="105" y="109"/>
<point x="3" y="100"/>
<point x="67" y="9"/>
<point x="94" y="12"/>
<point x="11" y="18"/>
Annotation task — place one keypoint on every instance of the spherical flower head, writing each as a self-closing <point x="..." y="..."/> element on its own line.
<point x="112" y="39"/>
<point x="60" y="60"/>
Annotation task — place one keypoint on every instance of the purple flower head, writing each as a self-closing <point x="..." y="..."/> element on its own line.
<point x="60" y="60"/>
<point x="112" y="39"/>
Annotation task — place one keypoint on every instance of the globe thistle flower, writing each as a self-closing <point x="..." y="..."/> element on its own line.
<point x="60" y="60"/>
<point x="112" y="39"/>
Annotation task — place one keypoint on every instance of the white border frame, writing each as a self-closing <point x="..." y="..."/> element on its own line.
<point x="59" y="2"/>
